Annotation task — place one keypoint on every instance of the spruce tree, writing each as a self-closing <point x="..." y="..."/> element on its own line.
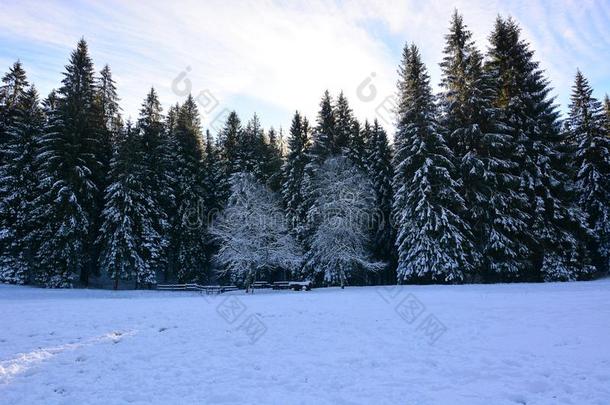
<point x="188" y="233"/>
<point x="357" y="148"/>
<point x="130" y="243"/>
<point x="293" y="172"/>
<point x="107" y="104"/>
<point x="481" y="150"/>
<point x="229" y="138"/>
<point x="19" y="188"/>
<point x="250" y="149"/>
<point x="343" y="124"/>
<point x="556" y="236"/>
<point x="272" y="160"/>
<point x="157" y="168"/>
<point x="607" y="115"/>
<point x="380" y="171"/>
<point x="14" y="84"/>
<point x="433" y="241"/>
<point x="592" y="160"/>
<point x="323" y="142"/>
<point x="69" y="167"/>
<point x="322" y="148"/>
<point x="213" y="174"/>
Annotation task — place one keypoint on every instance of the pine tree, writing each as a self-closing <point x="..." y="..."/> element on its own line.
<point x="188" y="233"/>
<point x="380" y="171"/>
<point x="293" y="173"/>
<point x="556" y="236"/>
<point x="19" y="188"/>
<point x="592" y="160"/>
<point x="433" y="241"/>
<point x="69" y="164"/>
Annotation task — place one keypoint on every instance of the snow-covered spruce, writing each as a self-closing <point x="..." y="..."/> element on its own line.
<point x="556" y="237"/>
<point x="187" y="235"/>
<point x="380" y="172"/>
<point x="592" y="161"/>
<point x="252" y="234"/>
<point x="19" y="189"/>
<point x="69" y="171"/>
<point x="130" y="242"/>
<point x="293" y="172"/>
<point x="433" y="242"/>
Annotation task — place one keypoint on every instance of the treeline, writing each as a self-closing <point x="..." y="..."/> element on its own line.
<point x="483" y="182"/>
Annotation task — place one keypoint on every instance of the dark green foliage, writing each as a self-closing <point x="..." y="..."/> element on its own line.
<point x="19" y="189"/>
<point x="588" y="133"/>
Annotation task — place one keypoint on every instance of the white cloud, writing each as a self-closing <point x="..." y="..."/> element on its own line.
<point x="284" y="54"/>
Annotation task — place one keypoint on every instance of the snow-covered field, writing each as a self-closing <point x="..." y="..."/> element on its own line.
<point x="478" y="344"/>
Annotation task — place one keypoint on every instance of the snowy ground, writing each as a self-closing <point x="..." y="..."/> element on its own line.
<point x="501" y="344"/>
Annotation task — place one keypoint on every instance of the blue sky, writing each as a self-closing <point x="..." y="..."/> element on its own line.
<point x="273" y="57"/>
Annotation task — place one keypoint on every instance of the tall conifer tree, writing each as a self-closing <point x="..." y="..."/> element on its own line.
<point x="69" y="163"/>
<point x="19" y="188"/>
<point x="556" y="235"/>
<point x="432" y="240"/>
<point x="586" y="126"/>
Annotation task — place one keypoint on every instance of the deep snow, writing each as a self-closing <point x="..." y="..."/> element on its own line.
<point x="477" y="344"/>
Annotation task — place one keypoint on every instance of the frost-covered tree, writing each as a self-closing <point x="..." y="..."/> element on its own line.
<point x="19" y="188"/>
<point x="343" y="205"/>
<point x="433" y="242"/>
<point x="252" y="234"/>
<point x="321" y="148"/>
<point x="556" y="237"/>
<point x="130" y="242"/>
<point x="69" y="166"/>
<point x="586" y="127"/>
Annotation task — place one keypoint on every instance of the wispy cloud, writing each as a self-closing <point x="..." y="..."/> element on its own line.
<point x="277" y="56"/>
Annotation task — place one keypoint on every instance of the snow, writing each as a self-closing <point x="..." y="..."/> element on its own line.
<point x="501" y="344"/>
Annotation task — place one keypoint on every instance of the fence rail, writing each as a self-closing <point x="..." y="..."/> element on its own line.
<point x="208" y="289"/>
